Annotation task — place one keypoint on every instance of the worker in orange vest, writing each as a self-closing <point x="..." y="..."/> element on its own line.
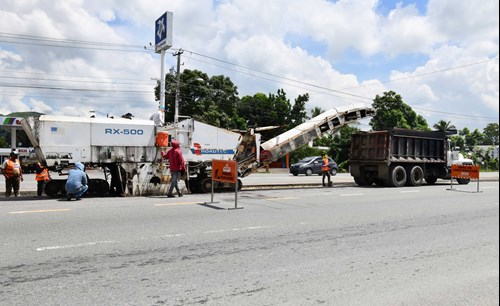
<point x="42" y="176"/>
<point x="325" y="169"/>
<point x="13" y="173"/>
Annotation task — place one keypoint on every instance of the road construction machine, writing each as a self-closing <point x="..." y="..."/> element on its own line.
<point x="129" y="150"/>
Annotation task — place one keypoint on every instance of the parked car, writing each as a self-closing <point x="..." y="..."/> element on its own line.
<point x="312" y="165"/>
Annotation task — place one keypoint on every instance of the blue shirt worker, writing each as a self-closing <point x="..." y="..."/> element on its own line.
<point x="76" y="185"/>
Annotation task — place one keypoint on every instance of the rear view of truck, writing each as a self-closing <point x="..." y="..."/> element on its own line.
<point x="400" y="157"/>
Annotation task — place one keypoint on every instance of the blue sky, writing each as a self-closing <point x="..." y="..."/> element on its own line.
<point x="440" y="55"/>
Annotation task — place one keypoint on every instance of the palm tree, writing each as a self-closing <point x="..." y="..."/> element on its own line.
<point x="444" y="126"/>
<point x="316" y="111"/>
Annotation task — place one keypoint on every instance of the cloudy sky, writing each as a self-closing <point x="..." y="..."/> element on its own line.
<point x="70" y="57"/>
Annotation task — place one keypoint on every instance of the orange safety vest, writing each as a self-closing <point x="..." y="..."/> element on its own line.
<point x="325" y="166"/>
<point x="11" y="167"/>
<point x="42" y="176"/>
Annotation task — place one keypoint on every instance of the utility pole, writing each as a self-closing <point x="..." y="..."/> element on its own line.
<point x="162" y="86"/>
<point x="177" y="86"/>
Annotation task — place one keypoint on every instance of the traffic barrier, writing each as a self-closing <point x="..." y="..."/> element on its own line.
<point x="464" y="172"/>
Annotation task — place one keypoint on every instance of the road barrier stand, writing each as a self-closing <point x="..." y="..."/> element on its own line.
<point x="225" y="171"/>
<point x="464" y="172"/>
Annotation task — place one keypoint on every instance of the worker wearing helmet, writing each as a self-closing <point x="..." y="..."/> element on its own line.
<point x="13" y="173"/>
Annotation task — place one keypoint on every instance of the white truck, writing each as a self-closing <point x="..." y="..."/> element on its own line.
<point x="129" y="150"/>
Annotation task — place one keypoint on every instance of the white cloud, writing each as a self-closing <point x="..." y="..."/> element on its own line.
<point x="326" y="43"/>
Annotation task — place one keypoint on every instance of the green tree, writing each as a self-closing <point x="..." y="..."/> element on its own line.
<point x="392" y="112"/>
<point x="212" y="100"/>
<point x="471" y="139"/>
<point x="341" y="147"/>
<point x="316" y="111"/>
<point x="491" y="134"/>
<point x="444" y="126"/>
<point x="298" y="114"/>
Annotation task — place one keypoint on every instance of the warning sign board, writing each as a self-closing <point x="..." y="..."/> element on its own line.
<point x="224" y="171"/>
<point x="465" y="171"/>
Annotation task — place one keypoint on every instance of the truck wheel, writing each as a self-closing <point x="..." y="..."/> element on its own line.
<point x="362" y="181"/>
<point x="431" y="180"/>
<point x="398" y="177"/>
<point x="463" y="181"/>
<point x="206" y="185"/>
<point x="53" y="187"/>
<point x="416" y="176"/>
<point x="309" y="172"/>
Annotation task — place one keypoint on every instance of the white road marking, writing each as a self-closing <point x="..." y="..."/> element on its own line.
<point x="38" y="211"/>
<point x="351" y="194"/>
<point x="236" y="229"/>
<point x="179" y="203"/>
<point x="69" y="246"/>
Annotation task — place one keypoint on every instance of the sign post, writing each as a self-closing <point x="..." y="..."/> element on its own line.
<point x="464" y="172"/>
<point x="163" y="41"/>
<point x="225" y="171"/>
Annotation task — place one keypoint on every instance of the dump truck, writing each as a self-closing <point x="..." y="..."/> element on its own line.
<point x="403" y="157"/>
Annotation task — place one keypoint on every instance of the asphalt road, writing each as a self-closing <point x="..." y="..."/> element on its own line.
<point x="333" y="246"/>
<point x="276" y="177"/>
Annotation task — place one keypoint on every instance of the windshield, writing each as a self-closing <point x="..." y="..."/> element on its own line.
<point x="307" y="159"/>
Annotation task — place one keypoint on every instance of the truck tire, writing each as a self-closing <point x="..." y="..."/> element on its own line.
<point x="431" y="180"/>
<point x="463" y="181"/>
<point x="362" y="181"/>
<point x="206" y="185"/>
<point x="54" y="187"/>
<point x="398" y="177"/>
<point x="415" y="176"/>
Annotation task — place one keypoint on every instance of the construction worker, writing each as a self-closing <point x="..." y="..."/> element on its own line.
<point x="325" y="169"/>
<point x="177" y="167"/>
<point x="159" y="116"/>
<point x="13" y="173"/>
<point x="77" y="183"/>
<point x="42" y="176"/>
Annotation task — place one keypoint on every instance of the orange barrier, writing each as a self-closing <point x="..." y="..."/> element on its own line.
<point x="224" y="171"/>
<point x="465" y="171"/>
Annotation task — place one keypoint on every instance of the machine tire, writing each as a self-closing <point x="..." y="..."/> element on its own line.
<point x="415" y="176"/>
<point x="53" y="187"/>
<point x="398" y="177"/>
<point x="463" y="181"/>
<point x="206" y="185"/>
<point x="309" y="172"/>
<point x="333" y="172"/>
<point x="295" y="174"/>
<point x="431" y="180"/>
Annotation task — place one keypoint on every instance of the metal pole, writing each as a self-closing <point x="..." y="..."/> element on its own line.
<point x="177" y="86"/>
<point x="236" y="195"/>
<point x="162" y="85"/>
